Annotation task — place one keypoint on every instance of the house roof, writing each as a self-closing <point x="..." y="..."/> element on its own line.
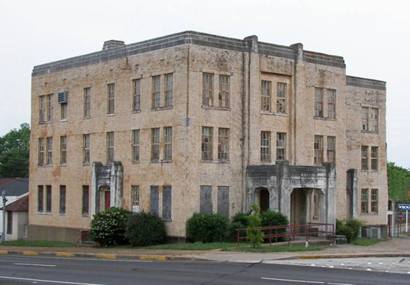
<point x="14" y="186"/>
<point x="20" y="205"/>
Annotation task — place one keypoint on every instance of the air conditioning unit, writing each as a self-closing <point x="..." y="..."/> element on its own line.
<point x="62" y="97"/>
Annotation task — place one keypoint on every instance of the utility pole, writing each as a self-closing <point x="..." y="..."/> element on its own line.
<point x="4" y="200"/>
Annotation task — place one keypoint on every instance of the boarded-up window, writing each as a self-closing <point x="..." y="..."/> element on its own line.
<point x="207" y="134"/>
<point x="168" y="143"/>
<point x="155" y="144"/>
<point x="365" y="157"/>
<point x="154" y="200"/>
<point x="41" y="151"/>
<point x="42" y="109"/>
<point x="266" y="94"/>
<point x="331" y="104"/>
<point x="111" y="98"/>
<point x="223" y="144"/>
<point x="63" y="150"/>
<point x="223" y="201"/>
<point x="110" y="146"/>
<point x="374" y="120"/>
<point x="224" y="91"/>
<point x="135" y="145"/>
<point x="319" y="102"/>
<point x="207" y="89"/>
<point x="86" y="149"/>
<point x="281" y="97"/>
<point x="135" y="198"/>
<point x="167" y="203"/>
<point x="63" y="111"/>
<point x="136" y="95"/>
<point x="318" y="150"/>
<point x="62" y="199"/>
<point x="87" y="102"/>
<point x="265" y="147"/>
<point x="156" y="91"/>
<point x="280" y="146"/>
<point x="364" y="201"/>
<point x="85" y="201"/>
<point x="169" y="86"/>
<point x="331" y="149"/>
<point x="365" y="118"/>
<point x="49" y="150"/>
<point x="374" y="202"/>
<point x="374" y="156"/>
<point x="49" y="199"/>
<point x="49" y="108"/>
<point x="40" y="198"/>
<point x="205" y="200"/>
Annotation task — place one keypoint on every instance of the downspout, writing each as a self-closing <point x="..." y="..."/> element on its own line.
<point x="243" y="135"/>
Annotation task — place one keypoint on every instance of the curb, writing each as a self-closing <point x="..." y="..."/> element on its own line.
<point x="330" y="256"/>
<point x="104" y="256"/>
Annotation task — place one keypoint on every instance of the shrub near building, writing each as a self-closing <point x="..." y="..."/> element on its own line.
<point x="207" y="228"/>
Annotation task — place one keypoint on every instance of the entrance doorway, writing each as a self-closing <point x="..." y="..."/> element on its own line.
<point x="298" y="206"/>
<point x="105" y="198"/>
<point x="263" y="197"/>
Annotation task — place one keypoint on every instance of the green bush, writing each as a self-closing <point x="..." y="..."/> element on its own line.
<point x="145" y="229"/>
<point x="206" y="228"/>
<point x="240" y="220"/>
<point x="350" y="229"/>
<point x="108" y="227"/>
<point x="272" y="218"/>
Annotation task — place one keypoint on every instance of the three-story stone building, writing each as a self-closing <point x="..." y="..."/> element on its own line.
<point x="193" y="122"/>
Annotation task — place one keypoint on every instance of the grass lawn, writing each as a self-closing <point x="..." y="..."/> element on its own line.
<point x="227" y="246"/>
<point x="365" y="241"/>
<point x="37" y="243"/>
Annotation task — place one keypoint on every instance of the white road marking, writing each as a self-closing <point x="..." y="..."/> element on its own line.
<point x="35" y="264"/>
<point x="330" y="283"/>
<point x="45" y="281"/>
<point x="293" y="280"/>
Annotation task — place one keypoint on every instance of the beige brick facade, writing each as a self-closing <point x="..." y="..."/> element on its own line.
<point x="188" y="56"/>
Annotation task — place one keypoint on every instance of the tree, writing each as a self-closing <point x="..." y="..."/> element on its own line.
<point x="14" y="152"/>
<point x="255" y="234"/>
<point x="398" y="182"/>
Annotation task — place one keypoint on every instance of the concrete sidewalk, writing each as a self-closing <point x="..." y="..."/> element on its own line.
<point x="390" y="248"/>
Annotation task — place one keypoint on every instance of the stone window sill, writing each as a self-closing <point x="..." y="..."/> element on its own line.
<point x="274" y="114"/>
<point x="216" y="108"/>
<point x="161" y="108"/>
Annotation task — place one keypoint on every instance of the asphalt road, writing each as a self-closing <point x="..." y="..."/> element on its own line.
<point x="80" y="271"/>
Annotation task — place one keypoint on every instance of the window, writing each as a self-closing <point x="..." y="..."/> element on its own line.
<point x="87" y="102"/>
<point x="135" y="198"/>
<point x="155" y="144"/>
<point x="154" y="199"/>
<point x="223" y="144"/>
<point x="111" y="98"/>
<point x="136" y="95"/>
<point x="331" y="104"/>
<point x="281" y="94"/>
<point x="364" y="201"/>
<point x="207" y="89"/>
<point x="331" y="149"/>
<point x="374" y="157"/>
<point x="85" y="209"/>
<point x="207" y="134"/>
<point x="9" y="222"/>
<point x="319" y="102"/>
<point x="318" y="148"/>
<point x="48" y="198"/>
<point x="374" y="202"/>
<point x="281" y="146"/>
<point x="63" y="150"/>
<point x="49" y="108"/>
<point x="365" y="157"/>
<point x="168" y="143"/>
<point x="63" y="111"/>
<point x="49" y="151"/>
<point x="224" y="91"/>
<point x="365" y="118"/>
<point x="110" y="146"/>
<point x="40" y="151"/>
<point x="167" y="203"/>
<point x="40" y="198"/>
<point x="168" y="78"/>
<point x="62" y="199"/>
<point x="42" y="109"/>
<point x="266" y="87"/>
<point x="86" y="149"/>
<point x="156" y="91"/>
<point x="135" y="145"/>
<point x="370" y="119"/>
<point x="265" y="147"/>
<point x="205" y="199"/>
<point x="223" y="201"/>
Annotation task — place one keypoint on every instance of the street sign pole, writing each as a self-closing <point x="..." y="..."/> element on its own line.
<point x="407" y="221"/>
<point x="4" y="200"/>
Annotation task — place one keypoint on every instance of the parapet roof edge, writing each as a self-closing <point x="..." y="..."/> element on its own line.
<point x="365" y="82"/>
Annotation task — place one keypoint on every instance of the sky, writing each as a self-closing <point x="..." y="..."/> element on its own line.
<point x="373" y="37"/>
